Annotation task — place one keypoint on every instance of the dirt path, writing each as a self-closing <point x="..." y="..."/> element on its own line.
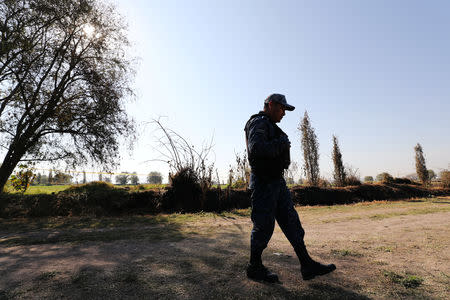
<point x="382" y="251"/>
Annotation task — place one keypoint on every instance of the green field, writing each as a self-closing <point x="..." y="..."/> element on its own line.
<point x="48" y="189"/>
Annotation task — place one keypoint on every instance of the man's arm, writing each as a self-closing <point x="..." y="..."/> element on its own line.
<point x="259" y="144"/>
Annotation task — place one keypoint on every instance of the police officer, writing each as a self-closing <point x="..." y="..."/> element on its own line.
<point x="268" y="150"/>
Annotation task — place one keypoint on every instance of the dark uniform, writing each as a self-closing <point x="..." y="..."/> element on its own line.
<point x="268" y="152"/>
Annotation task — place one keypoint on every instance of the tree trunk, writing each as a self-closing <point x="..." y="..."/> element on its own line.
<point x="6" y="170"/>
<point x="11" y="160"/>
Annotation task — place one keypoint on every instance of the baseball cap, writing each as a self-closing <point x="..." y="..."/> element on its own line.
<point x="279" y="99"/>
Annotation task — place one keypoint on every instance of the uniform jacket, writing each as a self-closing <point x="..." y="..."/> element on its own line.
<point x="268" y="147"/>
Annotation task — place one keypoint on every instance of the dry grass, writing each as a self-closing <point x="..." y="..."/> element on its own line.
<point x="383" y="250"/>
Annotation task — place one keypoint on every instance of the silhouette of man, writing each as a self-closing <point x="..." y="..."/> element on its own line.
<point x="268" y="150"/>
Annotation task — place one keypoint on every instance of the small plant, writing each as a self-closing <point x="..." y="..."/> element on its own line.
<point x="47" y="275"/>
<point x="384" y="249"/>
<point x="345" y="252"/>
<point x="407" y="280"/>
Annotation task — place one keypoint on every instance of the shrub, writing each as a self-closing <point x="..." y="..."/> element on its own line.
<point x="445" y="179"/>
<point x="323" y="183"/>
<point x="92" y="198"/>
<point x="368" y="179"/>
<point x="385" y="177"/>
<point x="352" y="176"/>
<point x="352" y="180"/>
<point x="402" y="181"/>
<point x="185" y="191"/>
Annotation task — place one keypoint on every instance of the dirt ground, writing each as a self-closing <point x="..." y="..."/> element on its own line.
<point x="382" y="250"/>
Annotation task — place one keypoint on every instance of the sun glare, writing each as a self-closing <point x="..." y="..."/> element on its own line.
<point x="89" y="30"/>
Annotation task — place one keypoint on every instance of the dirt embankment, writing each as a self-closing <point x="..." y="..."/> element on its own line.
<point x="103" y="199"/>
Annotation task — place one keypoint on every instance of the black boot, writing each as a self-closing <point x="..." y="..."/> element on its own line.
<point x="309" y="267"/>
<point x="260" y="272"/>
<point x="257" y="271"/>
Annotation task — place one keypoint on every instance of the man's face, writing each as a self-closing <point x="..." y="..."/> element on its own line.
<point x="276" y="111"/>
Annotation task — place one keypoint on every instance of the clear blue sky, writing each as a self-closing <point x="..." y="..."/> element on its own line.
<point x="375" y="73"/>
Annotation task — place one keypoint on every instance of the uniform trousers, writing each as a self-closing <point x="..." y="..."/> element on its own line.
<point x="271" y="200"/>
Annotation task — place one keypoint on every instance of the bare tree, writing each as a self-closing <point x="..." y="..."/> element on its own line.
<point x="64" y="75"/>
<point x="291" y="173"/>
<point x="240" y="174"/>
<point x="310" y="147"/>
<point x="421" y="168"/>
<point x="339" y="170"/>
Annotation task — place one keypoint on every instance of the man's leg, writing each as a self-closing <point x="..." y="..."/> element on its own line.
<point x="263" y="217"/>
<point x="287" y="218"/>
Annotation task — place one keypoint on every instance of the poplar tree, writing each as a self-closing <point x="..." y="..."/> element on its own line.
<point x="421" y="168"/>
<point x="310" y="148"/>
<point x="339" y="174"/>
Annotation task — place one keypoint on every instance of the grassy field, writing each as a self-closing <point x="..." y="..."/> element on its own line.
<point x="383" y="250"/>
<point x="48" y="189"/>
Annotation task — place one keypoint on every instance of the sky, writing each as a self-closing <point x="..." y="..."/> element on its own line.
<point x="374" y="73"/>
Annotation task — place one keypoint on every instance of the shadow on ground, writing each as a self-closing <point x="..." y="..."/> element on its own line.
<point x="168" y="263"/>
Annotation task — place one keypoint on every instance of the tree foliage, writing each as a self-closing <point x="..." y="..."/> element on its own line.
<point x="134" y="179"/>
<point x="384" y="177"/>
<point x="368" y="179"/>
<point x="23" y="178"/>
<point x="64" y="74"/>
<point x="122" y="178"/>
<point x="421" y="168"/>
<point x="445" y="178"/>
<point x="339" y="174"/>
<point x="62" y="178"/>
<point x="154" y="177"/>
<point x="310" y="147"/>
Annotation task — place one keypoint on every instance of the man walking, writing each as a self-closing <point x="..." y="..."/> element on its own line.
<point x="268" y="150"/>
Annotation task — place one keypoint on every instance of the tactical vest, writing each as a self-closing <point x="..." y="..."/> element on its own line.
<point x="262" y="166"/>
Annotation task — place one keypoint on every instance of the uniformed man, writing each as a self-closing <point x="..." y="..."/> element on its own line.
<point x="268" y="150"/>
